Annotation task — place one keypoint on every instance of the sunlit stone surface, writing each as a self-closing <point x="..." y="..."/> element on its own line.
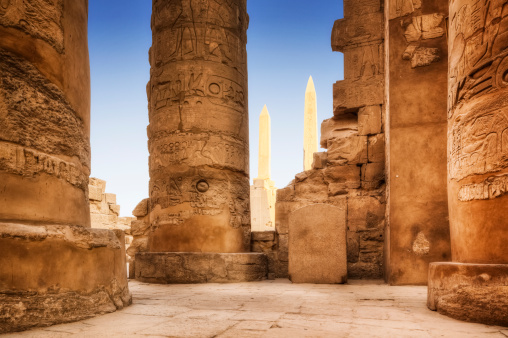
<point x="310" y="134"/>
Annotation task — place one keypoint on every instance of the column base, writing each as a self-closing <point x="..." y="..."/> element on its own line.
<point x="197" y="267"/>
<point x="53" y="274"/>
<point x="470" y="292"/>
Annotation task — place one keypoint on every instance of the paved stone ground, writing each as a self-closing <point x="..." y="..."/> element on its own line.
<point x="273" y="309"/>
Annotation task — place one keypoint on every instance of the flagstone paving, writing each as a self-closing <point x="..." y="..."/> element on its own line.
<point x="272" y="309"/>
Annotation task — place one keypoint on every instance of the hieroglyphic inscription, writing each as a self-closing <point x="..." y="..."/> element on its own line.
<point x="420" y="28"/>
<point x="492" y="187"/>
<point x="204" y="29"/>
<point x="177" y="89"/>
<point x="197" y="149"/>
<point x="29" y="162"/>
<point x="35" y="112"/>
<point x="478" y="63"/>
<point x="364" y="62"/>
<point x="40" y="19"/>
<point x="478" y="144"/>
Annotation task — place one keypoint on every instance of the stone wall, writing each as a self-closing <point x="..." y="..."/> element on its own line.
<point x="352" y="171"/>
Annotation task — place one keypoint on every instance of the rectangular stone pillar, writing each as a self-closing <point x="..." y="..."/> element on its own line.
<point x="416" y="85"/>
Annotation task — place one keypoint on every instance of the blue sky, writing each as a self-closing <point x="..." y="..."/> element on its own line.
<point x="288" y="40"/>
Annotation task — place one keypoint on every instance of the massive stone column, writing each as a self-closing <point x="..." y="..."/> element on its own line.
<point x="310" y="138"/>
<point x="475" y="286"/>
<point x="53" y="268"/>
<point x="199" y="127"/>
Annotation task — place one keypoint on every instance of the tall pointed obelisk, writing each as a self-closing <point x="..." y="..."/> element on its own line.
<point x="264" y="145"/>
<point x="310" y="134"/>
<point x="263" y="191"/>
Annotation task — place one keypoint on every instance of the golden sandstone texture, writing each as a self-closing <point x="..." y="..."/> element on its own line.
<point x="53" y="267"/>
<point x="199" y="127"/>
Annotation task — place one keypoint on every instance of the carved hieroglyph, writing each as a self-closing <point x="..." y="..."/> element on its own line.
<point x="198" y="132"/>
<point x="478" y="129"/>
<point x="310" y="135"/>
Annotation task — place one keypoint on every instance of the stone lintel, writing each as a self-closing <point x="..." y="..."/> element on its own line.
<point x="469" y="292"/>
<point x="197" y="267"/>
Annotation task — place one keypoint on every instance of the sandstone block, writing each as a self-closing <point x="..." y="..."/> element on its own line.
<point x="94" y="193"/>
<point x="110" y="198"/>
<point x="139" y="227"/>
<point x="353" y="94"/>
<point x="364" y="213"/>
<point x="369" y="120"/>
<point x="373" y="175"/>
<point x="317" y="244"/>
<point x="350" y="150"/>
<point x="353" y="247"/>
<point x="320" y="160"/>
<point x="102" y="220"/>
<point x="357" y="30"/>
<point x="115" y="209"/>
<point x="263" y="246"/>
<point x="361" y="7"/>
<point x="141" y="210"/>
<point x="184" y="268"/>
<point x="283" y="247"/>
<point x="139" y="244"/>
<point x="338" y="127"/>
<point x="346" y="175"/>
<point x="376" y="148"/>
<point x="101" y="184"/>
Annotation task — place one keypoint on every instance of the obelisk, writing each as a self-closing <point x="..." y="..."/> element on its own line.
<point x="264" y="145"/>
<point x="198" y="136"/>
<point x="310" y="134"/>
<point x="263" y="191"/>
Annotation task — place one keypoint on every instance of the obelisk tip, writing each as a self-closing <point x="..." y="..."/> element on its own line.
<point x="310" y="85"/>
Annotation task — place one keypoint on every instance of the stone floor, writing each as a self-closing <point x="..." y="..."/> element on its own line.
<point x="273" y="309"/>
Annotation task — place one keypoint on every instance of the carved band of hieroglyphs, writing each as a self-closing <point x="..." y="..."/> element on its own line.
<point x="28" y="162"/>
<point x="478" y="49"/>
<point x="486" y="78"/>
<point x="40" y="19"/>
<point x="423" y="27"/>
<point x="205" y="30"/>
<point x="36" y="114"/>
<point x="198" y="149"/>
<point x="479" y="144"/>
<point x="400" y="8"/>
<point x="492" y="187"/>
<point x="218" y="90"/>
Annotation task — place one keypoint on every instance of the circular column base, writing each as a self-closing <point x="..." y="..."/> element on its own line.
<point x="469" y="292"/>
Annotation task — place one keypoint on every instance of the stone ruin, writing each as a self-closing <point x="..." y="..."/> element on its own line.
<point x="412" y="187"/>
<point x="54" y="267"/>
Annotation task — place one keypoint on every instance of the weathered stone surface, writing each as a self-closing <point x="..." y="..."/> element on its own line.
<point x="338" y="127"/>
<point x="184" y="268"/>
<point x="369" y="120"/>
<point x="353" y="31"/>
<point x="348" y="94"/>
<point x="139" y="227"/>
<point x="94" y="193"/>
<point x="416" y="133"/>
<point x="262" y="201"/>
<point x="350" y="150"/>
<point x="347" y="175"/>
<point x="101" y="184"/>
<point x="36" y="292"/>
<point x="376" y="148"/>
<point x="263" y="235"/>
<point x="373" y="175"/>
<point x="141" y="210"/>
<point x="365" y="213"/>
<point x="470" y="292"/>
<point x="320" y="160"/>
<point x="198" y="132"/>
<point x="317" y="244"/>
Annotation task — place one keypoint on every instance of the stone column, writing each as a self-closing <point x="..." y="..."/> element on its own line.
<point x="199" y="127"/>
<point x="44" y="112"/>
<point x="53" y="267"/>
<point x="477" y="166"/>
